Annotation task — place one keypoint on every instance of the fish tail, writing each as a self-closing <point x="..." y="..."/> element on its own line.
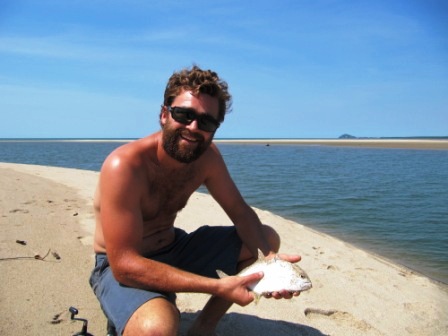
<point x="221" y="274"/>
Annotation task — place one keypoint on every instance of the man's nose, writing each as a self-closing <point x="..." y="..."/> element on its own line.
<point x="193" y="125"/>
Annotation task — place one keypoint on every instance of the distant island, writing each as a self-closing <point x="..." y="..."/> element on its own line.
<point x="347" y="136"/>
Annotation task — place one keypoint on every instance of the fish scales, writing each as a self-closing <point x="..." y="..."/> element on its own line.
<point x="278" y="275"/>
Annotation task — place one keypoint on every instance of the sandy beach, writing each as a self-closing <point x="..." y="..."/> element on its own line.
<point x="46" y="257"/>
<point x="368" y="143"/>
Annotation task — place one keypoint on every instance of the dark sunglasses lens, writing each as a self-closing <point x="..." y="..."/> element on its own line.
<point x="206" y="124"/>
<point x="182" y="116"/>
<point x="186" y="116"/>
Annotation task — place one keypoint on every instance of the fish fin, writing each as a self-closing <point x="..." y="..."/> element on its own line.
<point x="260" y="255"/>
<point x="221" y="274"/>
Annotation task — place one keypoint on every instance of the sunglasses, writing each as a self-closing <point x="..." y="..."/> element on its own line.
<point x="186" y="116"/>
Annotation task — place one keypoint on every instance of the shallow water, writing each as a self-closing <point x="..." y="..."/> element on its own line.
<point x="392" y="202"/>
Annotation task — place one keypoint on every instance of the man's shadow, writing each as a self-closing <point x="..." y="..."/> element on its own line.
<point x="236" y="324"/>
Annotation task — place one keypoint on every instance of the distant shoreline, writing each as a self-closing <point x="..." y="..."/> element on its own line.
<point x="397" y="143"/>
<point x="373" y="143"/>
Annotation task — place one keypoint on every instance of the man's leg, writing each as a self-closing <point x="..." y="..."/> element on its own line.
<point x="132" y="307"/>
<point x="156" y="317"/>
<point x="214" y="310"/>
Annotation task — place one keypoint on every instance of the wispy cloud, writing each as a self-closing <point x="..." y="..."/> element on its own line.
<point x="57" y="47"/>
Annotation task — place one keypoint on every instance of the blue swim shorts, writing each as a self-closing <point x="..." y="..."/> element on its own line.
<point x="201" y="252"/>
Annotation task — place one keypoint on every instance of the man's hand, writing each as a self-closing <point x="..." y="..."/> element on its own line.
<point x="281" y="295"/>
<point x="287" y="257"/>
<point x="284" y="294"/>
<point x="234" y="288"/>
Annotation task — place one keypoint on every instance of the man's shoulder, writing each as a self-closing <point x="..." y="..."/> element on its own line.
<point x="213" y="150"/>
<point x="212" y="158"/>
<point x="133" y="154"/>
<point x="137" y="147"/>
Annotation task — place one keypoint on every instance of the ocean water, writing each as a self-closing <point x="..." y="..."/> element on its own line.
<point x="392" y="202"/>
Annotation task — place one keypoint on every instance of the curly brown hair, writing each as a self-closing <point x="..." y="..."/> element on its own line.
<point x="198" y="81"/>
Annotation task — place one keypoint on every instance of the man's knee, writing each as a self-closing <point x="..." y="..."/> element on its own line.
<point x="272" y="237"/>
<point x="156" y="317"/>
<point x="247" y="258"/>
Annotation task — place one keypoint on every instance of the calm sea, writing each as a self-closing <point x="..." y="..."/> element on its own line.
<point x="393" y="202"/>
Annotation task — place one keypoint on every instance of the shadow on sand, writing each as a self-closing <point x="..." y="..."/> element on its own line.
<point x="236" y="324"/>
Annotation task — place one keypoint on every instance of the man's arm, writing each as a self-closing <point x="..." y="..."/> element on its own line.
<point x="121" y="184"/>
<point x="249" y="227"/>
<point x="224" y="191"/>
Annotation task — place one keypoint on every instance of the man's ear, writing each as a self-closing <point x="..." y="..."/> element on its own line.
<point x="163" y="116"/>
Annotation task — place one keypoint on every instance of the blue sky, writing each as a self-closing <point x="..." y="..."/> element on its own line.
<point x="296" y="69"/>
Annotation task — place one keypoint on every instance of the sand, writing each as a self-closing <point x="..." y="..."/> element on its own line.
<point x="354" y="293"/>
<point x="430" y="144"/>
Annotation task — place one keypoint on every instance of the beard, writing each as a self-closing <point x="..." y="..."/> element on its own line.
<point x="184" y="154"/>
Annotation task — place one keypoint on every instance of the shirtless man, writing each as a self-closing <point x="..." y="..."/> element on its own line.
<point x="142" y="260"/>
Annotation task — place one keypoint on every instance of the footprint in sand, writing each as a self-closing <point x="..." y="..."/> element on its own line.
<point x="340" y="316"/>
<point x="332" y="268"/>
<point x="19" y="211"/>
<point x="318" y="251"/>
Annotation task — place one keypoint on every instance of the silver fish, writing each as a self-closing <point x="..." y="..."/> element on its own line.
<point x="279" y="275"/>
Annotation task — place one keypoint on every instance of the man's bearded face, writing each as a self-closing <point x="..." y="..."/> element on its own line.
<point x="182" y="144"/>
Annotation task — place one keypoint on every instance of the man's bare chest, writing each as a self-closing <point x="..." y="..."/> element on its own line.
<point x="166" y="195"/>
